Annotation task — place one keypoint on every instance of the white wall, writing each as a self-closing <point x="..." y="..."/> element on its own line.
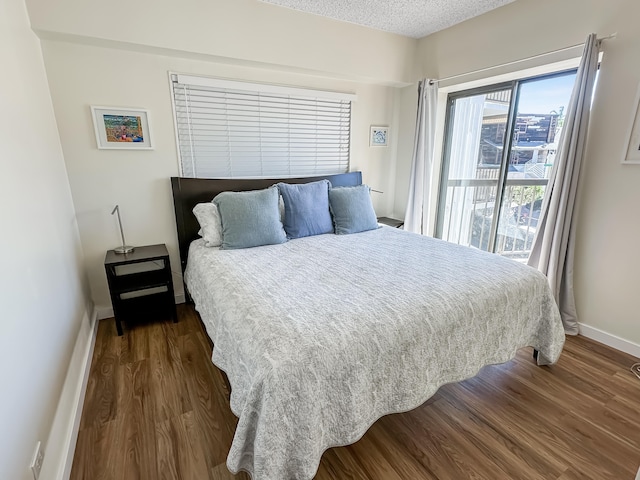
<point x="44" y="306"/>
<point x="83" y="75"/>
<point x="607" y="263"/>
<point x="237" y="31"/>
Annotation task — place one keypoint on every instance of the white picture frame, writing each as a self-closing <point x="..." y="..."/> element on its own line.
<point x="379" y="136"/>
<point x="632" y="152"/>
<point x="121" y="128"/>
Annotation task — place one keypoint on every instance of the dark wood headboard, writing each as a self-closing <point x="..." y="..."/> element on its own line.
<point x="187" y="192"/>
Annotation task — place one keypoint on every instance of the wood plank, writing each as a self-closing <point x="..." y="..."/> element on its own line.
<point x="170" y="391"/>
<point x="559" y="439"/>
<point x="431" y="447"/>
<point x="607" y="453"/>
<point x="95" y="456"/>
<point x="138" y="338"/>
<point x="534" y="430"/>
<point x="179" y="449"/>
<point x="571" y="474"/>
<point x="626" y="408"/>
<point x="405" y="465"/>
<point x="559" y="383"/>
<point x="221" y="472"/>
<point x="208" y="398"/>
<point x="613" y="358"/>
<point x="475" y="463"/>
<point x="511" y="456"/>
<point x="135" y="425"/>
<point x="622" y="427"/>
<point x="371" y="460"/>
<point x="339" y="463"/>
<point x="100" y="406"/>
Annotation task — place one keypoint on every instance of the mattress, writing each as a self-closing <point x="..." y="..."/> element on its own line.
<point x="321" y="336"/>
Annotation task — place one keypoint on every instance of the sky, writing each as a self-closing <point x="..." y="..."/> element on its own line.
<point x="543" y="96"/>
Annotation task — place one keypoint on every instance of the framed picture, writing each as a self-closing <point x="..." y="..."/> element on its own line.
<point x="122" y="128"/>
<point x="632" y="155"/>
<point x="379" y="136"/>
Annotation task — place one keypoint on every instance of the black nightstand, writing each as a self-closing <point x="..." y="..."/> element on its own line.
<point x="140" y="281"/>
<point x="392" y="222"/>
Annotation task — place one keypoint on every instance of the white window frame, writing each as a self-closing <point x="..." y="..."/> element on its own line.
<point x="443" y="93"/>
<point x="281" y="91"/>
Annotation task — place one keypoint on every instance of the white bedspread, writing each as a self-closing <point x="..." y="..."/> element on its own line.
<point x="321" y="336"/>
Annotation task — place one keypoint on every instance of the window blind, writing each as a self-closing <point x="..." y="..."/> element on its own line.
<point x="231" y="129"/>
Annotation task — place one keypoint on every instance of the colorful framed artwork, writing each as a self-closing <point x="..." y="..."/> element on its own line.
<point x="122" y="128"/>
<point x="632" y="155"/>
<point x="379" y="136"/>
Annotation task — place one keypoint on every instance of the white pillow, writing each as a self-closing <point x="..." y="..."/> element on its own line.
<point x="208" y="217"/>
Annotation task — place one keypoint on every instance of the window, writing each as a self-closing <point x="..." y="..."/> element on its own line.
<point x="232" y="129"/>
<point x="500" y="146"/>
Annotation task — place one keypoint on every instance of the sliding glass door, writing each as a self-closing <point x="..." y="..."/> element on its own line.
<point x="499" y="149"/>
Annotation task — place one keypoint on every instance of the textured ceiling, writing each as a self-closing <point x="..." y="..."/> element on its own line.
<point x="411" y="18"/>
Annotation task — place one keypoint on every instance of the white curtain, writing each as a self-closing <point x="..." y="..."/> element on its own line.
<point x="465" y="149"/>
<point x="553" y="247"/>
<point x="417" y="217"/>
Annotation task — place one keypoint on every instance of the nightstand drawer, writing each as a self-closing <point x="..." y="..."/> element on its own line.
<point x="130" y="268"/>
<point x="138" y="281"/>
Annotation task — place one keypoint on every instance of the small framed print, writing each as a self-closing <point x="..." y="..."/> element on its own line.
<point x="379" y="136"/>
<point x="122" y="128"/>
<point x="632" y="155"/>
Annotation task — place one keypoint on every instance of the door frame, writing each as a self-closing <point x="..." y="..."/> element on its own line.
<point x="446" y="148"/>
<point x="515" y="86"/>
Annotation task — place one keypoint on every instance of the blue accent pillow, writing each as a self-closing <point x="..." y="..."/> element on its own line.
<point x="352" y="209"/>
<point x="306" y="208"/>
<point x="250" y="219"/>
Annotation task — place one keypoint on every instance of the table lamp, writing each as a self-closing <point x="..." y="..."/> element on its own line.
<point x="124" y="248"/>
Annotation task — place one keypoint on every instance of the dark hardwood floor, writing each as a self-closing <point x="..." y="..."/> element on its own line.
<point x="157" y="408"/>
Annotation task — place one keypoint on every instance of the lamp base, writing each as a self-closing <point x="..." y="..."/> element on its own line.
<point x="123" y="249"/>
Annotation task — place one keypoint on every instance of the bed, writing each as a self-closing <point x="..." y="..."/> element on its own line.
<point x="321" y="336"/>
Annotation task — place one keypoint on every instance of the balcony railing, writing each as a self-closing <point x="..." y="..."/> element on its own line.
<point x="470" y="208"/>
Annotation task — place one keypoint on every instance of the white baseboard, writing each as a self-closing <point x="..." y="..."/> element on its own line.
<point x="107" y="311"/>
<point x="609" y="339"/>
<point x="61" y="443"/>
<point x="65" y="471"/>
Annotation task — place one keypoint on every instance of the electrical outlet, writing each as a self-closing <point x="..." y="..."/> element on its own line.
<point x="36" y="462"/>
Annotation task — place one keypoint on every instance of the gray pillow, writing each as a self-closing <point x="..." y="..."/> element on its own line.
<point x="250" y="219"/>
<point x="306" y="208"/>
<point x="352" y="209"/>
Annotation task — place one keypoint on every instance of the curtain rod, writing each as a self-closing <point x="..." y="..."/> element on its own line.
<point x="480" y="70"/>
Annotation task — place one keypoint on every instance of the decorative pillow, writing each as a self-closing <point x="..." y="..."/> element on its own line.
<point x="250" y="219"/>
<point x="306" y="208"/>
<point x="210" y="227"/>
<point x="352" y="209"/>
